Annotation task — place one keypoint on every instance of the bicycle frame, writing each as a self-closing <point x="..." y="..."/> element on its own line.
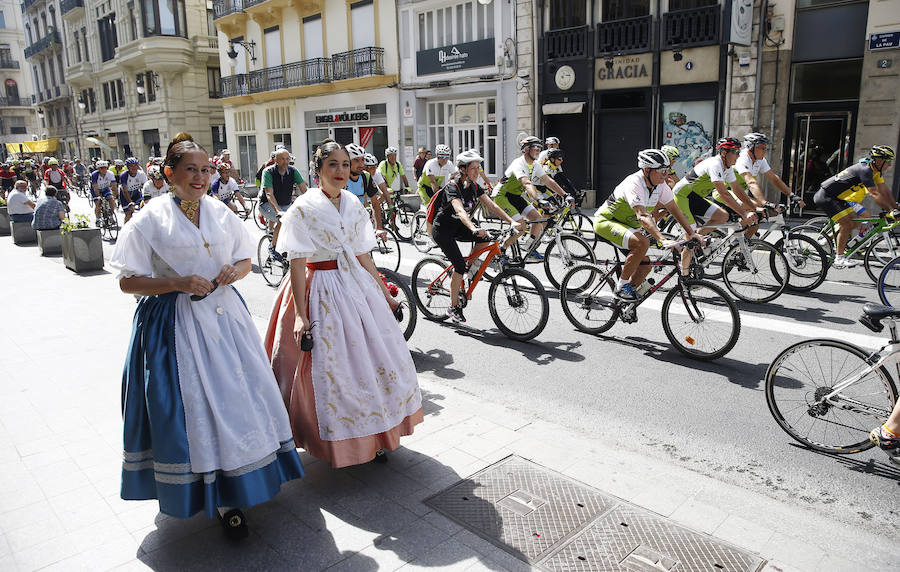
<point x="856" y="244"/>
<point x="518" y="257"/>
<point x="492" y="249"/>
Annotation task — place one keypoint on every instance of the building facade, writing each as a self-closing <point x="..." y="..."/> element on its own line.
<point x="141" y="73"/>
<point x="302" y="72"/>
<point x="18" y="119"/>
<point x="44" y="57"/>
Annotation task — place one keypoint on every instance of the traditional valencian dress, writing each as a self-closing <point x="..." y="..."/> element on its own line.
<point x="357" y="391"/>
<point x="205" y="425"/>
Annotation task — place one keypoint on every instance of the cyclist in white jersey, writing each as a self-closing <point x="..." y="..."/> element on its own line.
<point x="226" y="189"/>
<point x="752" y="163"/>
<point x="156" y="186"/>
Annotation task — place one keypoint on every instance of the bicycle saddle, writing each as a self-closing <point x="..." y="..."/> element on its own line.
<point x="873" y="314"/>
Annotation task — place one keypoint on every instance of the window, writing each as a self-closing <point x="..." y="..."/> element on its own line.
<point x="5" y="53"/>
<point x="312" y="37"/>
<point x="84" y="44"/>
<point x="50" y="119"/>
<point x="16" y="125"/>
<point x="58" y="118"/>
<point x="2" y="19"/>
<point x="77" y="44"/>
<point x="164" y="18"/>
<point x="12" y="91"/>
<point x="106" y="30"/>
<point x="362" y="15"/>
<point x="68" y="116"/>
<point x="106" y="99"/>
<point x="567" y="14"/>
<point x="92" y="100"/>
<point x="132" y="23"/>
<point x="281" y="139"/>
<point x="622" y="9"/>
<point x="464" y="22"/>
<point x="826" y="81"/>
<point x="213" y="76"/>
<point x="52" y="72"/>
<point x="247" y="156"/>
<point x="210" y="26"/>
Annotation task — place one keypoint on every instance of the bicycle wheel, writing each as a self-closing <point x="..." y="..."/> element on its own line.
<point x="402" y="218"/>
<point x="559" y="258"/>
<point x="807" y="262"/>
<point x="760" y="279"/>
<point x="700" y="320"/>
<point x="419" y="233"/>
<point x="580" y="225"/>
<point x="258" y="219"/>
<point x="386" y="253"/>
<point x="821" y="234"/>
<point x="889" y="283"/>
<point x="407" y="311"/>
<point x="711" y="260"/>
<point x="803" y="375"/>
<point x="431" y="288"/>
<point x="588" y="299"/>
<point x="518" y="304"/>
<point x="109" y="225"/>
<point x="271" y="269"/>
<point x="880" y="251"/>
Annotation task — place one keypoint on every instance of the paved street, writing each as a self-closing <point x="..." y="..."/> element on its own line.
<point x="622" y="412"/>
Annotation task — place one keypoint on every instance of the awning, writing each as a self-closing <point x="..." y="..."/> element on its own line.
<point x="562" y="108"/>
<point x="102" y="144"/>
<point x="39" y="146"/>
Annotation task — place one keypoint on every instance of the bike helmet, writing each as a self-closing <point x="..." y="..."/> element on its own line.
<point x="46" y="160"/>
<point x="390" y="151"/>
<point x="120" y="163"/>
<point x="467" y="157"/>
<point x="372" y="160"/>
<point x="53" y="161"/>
<point x="652" y="159"/>
<point x="442" y="150"/>
<point x="728" y="144"/>
<point x="671" y="151"/>
<point x="225" y="152"/>
<point x="754" y="139"/>
<point x="224" y="165"/>
<point x="882" y="152"/>
<point x="354" y="150"/>
<point x="101" y="164"/>
<point x="554" y="153"/>
<point x="529" y="141"/>
<point x="154" y="172"/>
<point x="551" y="141"/>
<point x="132" y="161"/>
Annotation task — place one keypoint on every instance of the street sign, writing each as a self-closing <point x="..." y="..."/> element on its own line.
<point x="884" y="41"/>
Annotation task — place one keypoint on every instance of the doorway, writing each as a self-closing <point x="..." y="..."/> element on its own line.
<point x="821" y="146"/>
<point x="570" y="129"/>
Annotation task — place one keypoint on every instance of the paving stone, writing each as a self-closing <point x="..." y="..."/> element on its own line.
<point x="744" y="533"/>
<point x="699" y="516"/>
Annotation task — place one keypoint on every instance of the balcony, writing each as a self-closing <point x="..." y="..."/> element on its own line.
<point x="358" y="63"/>
<point x="694" y="27"/>
<point x="626" y="36"/>
<point x="50" y="41"/>
<point x="26" y="4"/>
<point x="8" y="64"/>
<point x="14" y="101"/>
<point x="567" y="43"/>
<point x="66" y="6"/>
<point x="307" y="72"/>
<point x="223" y="8"/>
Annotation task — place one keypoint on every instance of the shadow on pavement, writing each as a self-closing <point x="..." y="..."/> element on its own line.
<point x="540" y="352"/>
<point x="801" y="314"/>
<point x="869" y="466"/>
<point x="436" y="361"/>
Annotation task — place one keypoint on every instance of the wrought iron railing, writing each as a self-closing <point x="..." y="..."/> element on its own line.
<point x="232" y="85"/>
<point x="693" y="27"/>
<point x="10" y="101"/>
<point x="9" y="64"/>
<point x="626" y="36"/>
<point x="358" y="63"/>
<point x="567" y="43"/>
<point x="248" y="3"/>
<point x="50" y="40"/>
<point x="225" y="7"/>
<point x="69" y="5"/>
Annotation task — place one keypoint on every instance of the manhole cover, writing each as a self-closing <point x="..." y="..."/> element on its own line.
<point x="562" y="525"/>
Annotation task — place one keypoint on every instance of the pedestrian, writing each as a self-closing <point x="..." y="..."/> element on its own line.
<point x="355" y="392"/>
<point x="49" y="212"/>
<point x="19" y="207"/>
<point x="204" y="426"/>
<point x="419" y="163"/>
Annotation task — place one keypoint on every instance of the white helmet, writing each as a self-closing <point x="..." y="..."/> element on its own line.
<point x="467" y="157"/>
<point x="652" y="159"/>
<point x="120" y="163"/>
<point x="354" y="150"/>
<point x="551" y="141"/>
<point x="102" y="164"/>
<point x="390" y="151"/>
<point x="442" y="150"/>
<point x="371" y="160"/>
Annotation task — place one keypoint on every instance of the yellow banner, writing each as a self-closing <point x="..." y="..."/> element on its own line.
<point x="40" y="146"/>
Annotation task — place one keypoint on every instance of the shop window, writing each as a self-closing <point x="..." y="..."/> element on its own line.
<point x="689" y="126"/>
<point x="463" y="22"/>
<point x="622" y="9"/>
<point x="820" y="3"/>
<point x="566" y="13"/>
<point x="826" y="81"/>
<point x="465" y="125"/>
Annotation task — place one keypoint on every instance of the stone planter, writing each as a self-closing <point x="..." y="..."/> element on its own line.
<point x="50" y="242"/>
<point x="82" y="250"/>
<point x="4" y="222"/>
<point x="22" y="232"/>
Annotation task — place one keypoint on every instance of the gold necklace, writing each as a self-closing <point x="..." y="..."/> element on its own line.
<point x="189" y="208"/>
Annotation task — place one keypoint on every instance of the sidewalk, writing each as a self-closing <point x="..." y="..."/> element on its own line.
<point x="64" y="341"/>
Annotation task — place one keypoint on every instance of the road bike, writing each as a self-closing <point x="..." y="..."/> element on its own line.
<point x="889" y="283"/>
<point x="272" y="268"/>
<point x="807" y="261"/>
<point x="698" y="317"/>
<point x="405" y="313"/>
<point x="828" y="394"/>
<point x="81" y="188"/>
<point x="517" y="301"/>
<point x="107" y="223"/>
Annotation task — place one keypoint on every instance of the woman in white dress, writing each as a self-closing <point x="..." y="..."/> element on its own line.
<point x="356" y="392"/>
<point x="204" y="424"/>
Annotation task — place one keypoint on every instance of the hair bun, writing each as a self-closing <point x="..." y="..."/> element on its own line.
<point x="182" y="136"/>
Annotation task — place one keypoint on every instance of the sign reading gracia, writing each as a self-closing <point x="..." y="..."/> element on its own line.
<point x="476" y="54"/>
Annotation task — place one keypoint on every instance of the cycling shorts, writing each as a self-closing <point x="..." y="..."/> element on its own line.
<point x="834" y="207"/>
<point x="426" y="193"/>
<point x="617" y="233"/>
<point x="103" y="193"/>
<point x="516" y="206"/>
<point x="447" y="242"/>
<point x="694" y="206"/>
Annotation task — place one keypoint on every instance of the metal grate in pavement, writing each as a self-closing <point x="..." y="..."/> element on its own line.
<point x="561" y="525"/>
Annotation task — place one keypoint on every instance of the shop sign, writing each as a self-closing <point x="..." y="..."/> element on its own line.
<point x="343" y="116"/>
<point x="884" y="41"/>
<point x="626" y="71"/>
<point x="456" y="57"/>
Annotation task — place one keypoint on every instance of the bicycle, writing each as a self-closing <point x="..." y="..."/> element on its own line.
<point x="250" y="198"/>
<point x="405" y="313"/>
<point x="690" y="311"/>
<point x="889" y="283"/>
<point x="108" y="224"/>
<point x="517" y="301"/>
<point x="807" y="260"/>
<point x="386" y="253"/>
<point x="398" y="216"/>
<point x="828" y="394"/>
<point x="81" y="188"/>
<point x="272" y="269"/>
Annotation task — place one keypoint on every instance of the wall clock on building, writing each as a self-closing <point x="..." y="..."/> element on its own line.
<point x="565" y="77"/>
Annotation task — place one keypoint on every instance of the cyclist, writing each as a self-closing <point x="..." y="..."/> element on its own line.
<point x="226" y="188"/>
<point x="707" y="176"/>
<point x="131" y="187"/>
<point x="629" y="208"/>
<point x="156" y="185"/>
<point x="118" y="168"/>
<point x="392" y="171"/>
<point x="278" y="183"/>
<point x="549" y="143"/>
<point x="371" y="162"/>
<point x="360" y="183"/>
<point x="434" y="174"/>
<point x="29" y="173"/>
<point x="453" y="222"/>
<point x="751" y="163"/>
<point x="521" y="175"/>
<point x="673" y="153"/>
<point x="55" y="176"/>
<point x="851" y="185"/>
<point x="7" y="180"/>
<point x="887" y="437"/>
<point x="103" y="186"/>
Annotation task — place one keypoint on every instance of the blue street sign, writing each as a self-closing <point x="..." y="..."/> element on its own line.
<point x="884" y="41"/>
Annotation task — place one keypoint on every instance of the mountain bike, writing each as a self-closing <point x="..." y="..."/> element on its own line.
<point x="517" y="301"/>
<point x="698" y="317"/>
<point x="828" y="394"/>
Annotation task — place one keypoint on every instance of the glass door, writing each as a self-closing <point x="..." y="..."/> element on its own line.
<point x="820" y="148"/>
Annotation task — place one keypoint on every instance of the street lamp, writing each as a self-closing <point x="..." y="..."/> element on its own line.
<point x="81" y="103"/>
<point x="139" y="81"/>
<point x="232" y="54"/>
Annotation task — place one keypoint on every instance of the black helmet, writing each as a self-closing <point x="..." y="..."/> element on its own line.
<point x="554" y="153"/>
<point x="728" y="143"/>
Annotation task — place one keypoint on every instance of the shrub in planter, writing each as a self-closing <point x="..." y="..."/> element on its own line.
<point x="4" y="219"/>
<point x="82" y="246"/>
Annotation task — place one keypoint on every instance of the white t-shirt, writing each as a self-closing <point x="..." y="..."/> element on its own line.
<point x="227" y="190"/>
<point x="15" y="203"/>
<point x="432" y="167"/>
<point x="633" y="190"/>
<point x="745" y="164"/>
<point x="378" y="179"/>
<point x="519" y="168"/>
<point x="150" y="190"/>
